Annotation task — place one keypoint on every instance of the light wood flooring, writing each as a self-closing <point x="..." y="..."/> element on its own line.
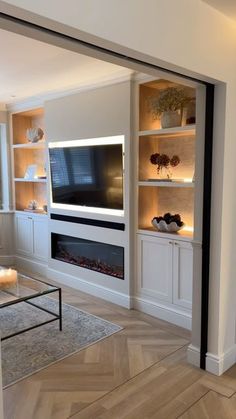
<point x="138" y="373"/>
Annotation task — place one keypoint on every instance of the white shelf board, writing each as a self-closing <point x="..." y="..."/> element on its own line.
<point x="170" y="132"/>
<point x="18" y="179"/>
<point x="181" y="235"/>
<point x="35" y="146"/>
<point x="32" y="213"/>
<point x="166" y="184"/>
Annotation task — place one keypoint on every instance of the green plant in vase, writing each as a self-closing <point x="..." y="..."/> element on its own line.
<point x="168" y="106"/>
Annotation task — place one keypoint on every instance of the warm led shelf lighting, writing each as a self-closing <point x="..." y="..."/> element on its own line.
<point x="188" y="228"/>
<point x="188" y="180"/>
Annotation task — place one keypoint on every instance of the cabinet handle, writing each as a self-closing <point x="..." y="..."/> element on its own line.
<point x="170" y="242"/>
<point x="176" y="244"/>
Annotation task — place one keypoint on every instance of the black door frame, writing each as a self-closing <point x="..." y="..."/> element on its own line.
<point x="208" y="147"/>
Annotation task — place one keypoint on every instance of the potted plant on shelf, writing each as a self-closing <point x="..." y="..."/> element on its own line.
<point x="168" y="106"/>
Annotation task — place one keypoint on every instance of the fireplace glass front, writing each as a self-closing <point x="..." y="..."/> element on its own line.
<point x="100" y="257"/>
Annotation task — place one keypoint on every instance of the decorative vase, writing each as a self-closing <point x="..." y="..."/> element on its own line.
<point x="170" y="119"/>
<point x="165" y="173"/>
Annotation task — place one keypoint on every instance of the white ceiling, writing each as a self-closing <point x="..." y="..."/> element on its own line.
<point x="227" y="7"/>
<point x="30" y="68"/>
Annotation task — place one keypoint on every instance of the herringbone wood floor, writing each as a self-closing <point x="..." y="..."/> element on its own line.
<point x="138" y="373"/>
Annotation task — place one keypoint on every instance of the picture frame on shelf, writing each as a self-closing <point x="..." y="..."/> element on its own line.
<point x="31" y="171"/>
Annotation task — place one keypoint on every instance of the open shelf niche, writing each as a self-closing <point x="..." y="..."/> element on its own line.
<point x="156" y="195"/>
<point x="26" y="154"/>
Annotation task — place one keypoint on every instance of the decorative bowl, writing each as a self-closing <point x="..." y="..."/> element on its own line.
<point x="163" y="226"/>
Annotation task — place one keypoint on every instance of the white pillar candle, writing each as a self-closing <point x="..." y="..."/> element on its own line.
<point x="8" y="277"/>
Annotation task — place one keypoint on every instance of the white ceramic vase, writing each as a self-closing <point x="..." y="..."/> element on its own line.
<point x="170" y="119"/>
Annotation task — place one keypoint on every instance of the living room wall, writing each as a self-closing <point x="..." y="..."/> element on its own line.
<point x="100" y="112"/>
<point x="190" y="36"/>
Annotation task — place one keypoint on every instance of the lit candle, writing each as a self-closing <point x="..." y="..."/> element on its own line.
<point x="8" y="278"/>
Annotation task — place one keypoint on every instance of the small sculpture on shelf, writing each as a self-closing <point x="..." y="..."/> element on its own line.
<point x="162" y="161"/>
<point x="33" y="205"/>
<point x="168" y="223"/>
<point x="33" y="135"/>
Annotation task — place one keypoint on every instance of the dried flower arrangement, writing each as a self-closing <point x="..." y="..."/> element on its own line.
<point x="164" y="161"/>
<point x="171" y="99"/>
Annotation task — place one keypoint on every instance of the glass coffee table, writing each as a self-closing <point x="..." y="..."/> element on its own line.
<point x="26" y="290"/>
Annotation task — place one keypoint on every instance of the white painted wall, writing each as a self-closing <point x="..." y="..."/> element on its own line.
<point x="191" y="35"/>
<point x="100" y="112"/>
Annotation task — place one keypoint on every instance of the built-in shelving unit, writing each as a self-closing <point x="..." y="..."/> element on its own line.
<point x="165" y="259"/>
<point x="26" y="154"/>
<point x="158" y="196"/>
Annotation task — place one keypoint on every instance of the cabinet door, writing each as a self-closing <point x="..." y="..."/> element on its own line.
<point x="40" y="238"/>
<point x="155" y="268"/>
<point x="183" y="274"/>
<point x="24" y="234"/>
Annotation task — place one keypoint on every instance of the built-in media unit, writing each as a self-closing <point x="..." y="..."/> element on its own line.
<point x="88" y="174"/>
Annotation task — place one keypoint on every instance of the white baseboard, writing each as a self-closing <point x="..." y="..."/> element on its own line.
<point x="171" y="315"/>
<point x="193" y="355"/>
<point x="31" y="265"/>
<point x="7" y="260"/>
<point x="219" y="364"/>
<point x="90" y="288"/>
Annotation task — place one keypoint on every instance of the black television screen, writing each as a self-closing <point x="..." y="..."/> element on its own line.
<point x="90" y="176"/>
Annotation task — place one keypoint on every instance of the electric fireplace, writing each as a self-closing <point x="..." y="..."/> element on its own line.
<point x="100" y="257"/>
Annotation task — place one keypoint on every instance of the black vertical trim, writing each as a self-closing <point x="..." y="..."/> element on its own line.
<point x="206" y="222"/>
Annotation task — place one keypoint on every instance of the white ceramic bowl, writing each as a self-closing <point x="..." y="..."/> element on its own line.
<point x="163" y="226"/>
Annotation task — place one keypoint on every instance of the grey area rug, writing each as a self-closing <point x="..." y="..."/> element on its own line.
<point x="34" y="350"/>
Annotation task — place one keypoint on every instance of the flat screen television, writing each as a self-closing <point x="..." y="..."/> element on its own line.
<point x="87" y="173"/>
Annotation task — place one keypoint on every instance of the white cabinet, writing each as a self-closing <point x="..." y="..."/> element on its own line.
<point x="165" y="270"/>
<point x="155" y="269"/>
<point x="31" y="232"/>
<point x="182" y="274"/>
<point x="40" y="238"/>
<point x="24" y="235"/>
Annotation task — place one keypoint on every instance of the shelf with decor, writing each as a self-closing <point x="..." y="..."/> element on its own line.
<point x="29" y="159"/>
<point x="155" y="202"/>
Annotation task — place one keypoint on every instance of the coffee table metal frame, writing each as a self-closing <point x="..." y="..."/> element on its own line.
<point x="31" y="297"/>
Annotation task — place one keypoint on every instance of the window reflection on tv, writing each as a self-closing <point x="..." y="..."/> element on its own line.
<point x="89" y="176"/>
